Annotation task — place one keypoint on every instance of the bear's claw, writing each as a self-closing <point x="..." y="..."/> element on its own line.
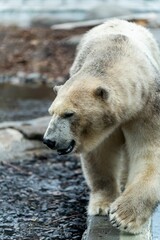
<point x="123" y="215"/>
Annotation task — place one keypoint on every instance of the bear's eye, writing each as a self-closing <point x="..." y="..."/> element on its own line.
<point x="68" y="114"/>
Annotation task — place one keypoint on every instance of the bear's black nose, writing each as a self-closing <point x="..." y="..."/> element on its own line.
<point x="49" y="143"/>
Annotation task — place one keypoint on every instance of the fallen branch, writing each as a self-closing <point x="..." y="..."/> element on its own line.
<point x="16" y="168"/>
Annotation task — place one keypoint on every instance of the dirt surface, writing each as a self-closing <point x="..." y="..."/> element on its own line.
<point x="38" y="50"/>
<point x="42" y="199"/>
<point x="41" y="50"/>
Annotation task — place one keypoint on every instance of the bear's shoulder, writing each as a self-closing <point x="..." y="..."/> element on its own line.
<point x="116" y="33"/>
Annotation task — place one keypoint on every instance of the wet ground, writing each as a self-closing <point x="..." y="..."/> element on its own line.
<point x="24" y="102"/>
<point x="42" y="199"/>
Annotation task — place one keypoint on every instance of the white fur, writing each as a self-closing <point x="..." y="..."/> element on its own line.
<point x="123" y="58"/>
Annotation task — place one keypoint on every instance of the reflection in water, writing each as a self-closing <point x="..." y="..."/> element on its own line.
<point x="24" y="102"/>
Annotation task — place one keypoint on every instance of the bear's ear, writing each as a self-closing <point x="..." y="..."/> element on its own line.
<point x="102" y="93"/>
<point x="56" y="89"/>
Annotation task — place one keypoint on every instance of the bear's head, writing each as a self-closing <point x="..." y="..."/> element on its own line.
<point x="82" y="116"/>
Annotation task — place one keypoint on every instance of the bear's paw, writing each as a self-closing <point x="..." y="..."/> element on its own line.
<point x="128" y="215"/>
<point x="100" y="207"/>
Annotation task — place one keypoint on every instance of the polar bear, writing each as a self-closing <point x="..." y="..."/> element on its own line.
<point x="109" y="112"/>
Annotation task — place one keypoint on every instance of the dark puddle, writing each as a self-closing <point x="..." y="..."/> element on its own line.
<point x="24" y="102"/>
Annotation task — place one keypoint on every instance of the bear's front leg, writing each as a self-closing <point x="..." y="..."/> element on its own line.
<point x="134" y="207"/>
<point x="100" y="200"/>
<point x="101" y="170"/>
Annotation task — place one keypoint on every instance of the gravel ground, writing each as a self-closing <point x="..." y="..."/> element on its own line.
<point x="42" y="199"/>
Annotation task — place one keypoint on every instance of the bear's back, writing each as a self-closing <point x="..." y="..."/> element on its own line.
<point x="137" y="34"/>
<point x="99" y="36"/>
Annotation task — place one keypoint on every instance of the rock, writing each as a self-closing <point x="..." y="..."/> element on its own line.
<point x="44" y="207"/>
<point x="13" y="145"/>
<point x="15" y="81"/>
<point x="21" y="75"/>
<point x="22" y="139"/>
<point x="35" y="128"/>
<point x="9" y="231"/>
<point x="73" y="41"/>
<point x="100" y="226"/>
<point x="22" y="78"/>
<point x="31" y="129"/>
<point x="5" y="78"/>
<point x="74" y="25"/>
<point x="150" y="19"/>
<point x="33" y="78"/>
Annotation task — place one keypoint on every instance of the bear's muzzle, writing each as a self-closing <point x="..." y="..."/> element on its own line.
<point x="60" y="150"/>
